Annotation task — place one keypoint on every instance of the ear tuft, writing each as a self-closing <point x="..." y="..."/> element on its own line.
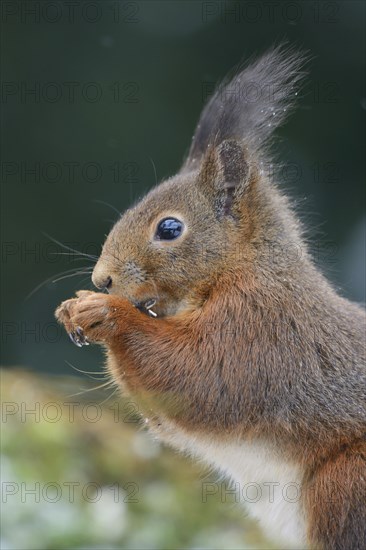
<point x="251" y="105"/>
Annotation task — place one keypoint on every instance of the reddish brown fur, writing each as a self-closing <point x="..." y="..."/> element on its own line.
<point x="248" y="341"/>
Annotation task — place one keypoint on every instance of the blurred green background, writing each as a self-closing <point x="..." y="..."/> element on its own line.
<point x="99" y="101"/>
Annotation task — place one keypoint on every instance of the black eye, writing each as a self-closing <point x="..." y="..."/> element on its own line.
<point x="169" y="229"/>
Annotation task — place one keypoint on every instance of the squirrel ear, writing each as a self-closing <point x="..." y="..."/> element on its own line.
<point x="225" y="174"/>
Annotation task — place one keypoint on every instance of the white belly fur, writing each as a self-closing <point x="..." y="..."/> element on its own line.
<point x="274" y="490"/>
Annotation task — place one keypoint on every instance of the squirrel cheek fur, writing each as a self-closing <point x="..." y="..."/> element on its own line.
<point x="254" y="364"/>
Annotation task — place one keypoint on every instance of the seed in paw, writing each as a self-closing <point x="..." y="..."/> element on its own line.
<point x="78" y="337"/>
<point x="81" y="336"/>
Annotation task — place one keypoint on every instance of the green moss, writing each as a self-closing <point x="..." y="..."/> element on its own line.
<point x="128" y="491"/>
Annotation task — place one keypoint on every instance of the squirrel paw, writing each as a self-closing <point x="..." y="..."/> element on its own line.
<point x="91" y="317"/>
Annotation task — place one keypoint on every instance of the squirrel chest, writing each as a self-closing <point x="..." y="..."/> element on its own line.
<point x="264" y="482"/>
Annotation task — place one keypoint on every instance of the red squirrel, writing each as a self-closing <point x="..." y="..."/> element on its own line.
<point x="236" y="353"/>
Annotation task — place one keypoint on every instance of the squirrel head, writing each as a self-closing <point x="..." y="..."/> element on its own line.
<point x="169" y="249"/>
<point x="176" y="239"/>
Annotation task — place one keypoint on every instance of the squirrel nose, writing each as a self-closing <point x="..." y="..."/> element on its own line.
<point x="102" y="281"/>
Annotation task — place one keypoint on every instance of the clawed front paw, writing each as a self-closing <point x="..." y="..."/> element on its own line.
<point x="91" y="317"/>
